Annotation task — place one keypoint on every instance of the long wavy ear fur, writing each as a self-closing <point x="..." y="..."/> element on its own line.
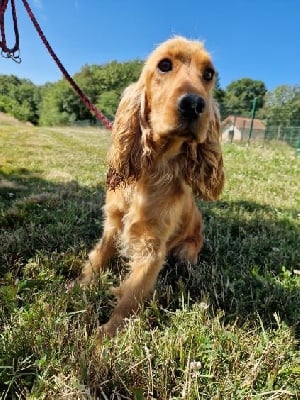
<point x="204" y="166"/>
<point x="131" y="138"/>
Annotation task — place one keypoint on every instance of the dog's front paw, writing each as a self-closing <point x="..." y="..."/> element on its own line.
<point x="85" y="279"/>
<point x="87" y="276"/>
<point x="105" y="331"/>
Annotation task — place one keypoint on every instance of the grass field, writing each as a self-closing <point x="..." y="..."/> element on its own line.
<point x="224" y="329"/>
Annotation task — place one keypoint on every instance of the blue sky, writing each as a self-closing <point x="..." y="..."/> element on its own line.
<point x="246" y="38"/>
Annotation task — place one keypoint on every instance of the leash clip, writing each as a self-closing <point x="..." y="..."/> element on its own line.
<point x="13" y="55"/>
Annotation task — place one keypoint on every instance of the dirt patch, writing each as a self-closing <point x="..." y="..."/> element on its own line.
<point x="6" y="119"/>
<point x="6" y="184"/>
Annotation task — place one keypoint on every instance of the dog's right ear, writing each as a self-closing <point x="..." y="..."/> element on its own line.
<point x="124" y="153"/>
<point x="131" y="149"/>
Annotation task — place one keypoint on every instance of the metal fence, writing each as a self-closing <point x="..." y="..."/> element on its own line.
<point x="235" y="128"/>
<point x="284" y="134"/>
<point x="288" y="134"/>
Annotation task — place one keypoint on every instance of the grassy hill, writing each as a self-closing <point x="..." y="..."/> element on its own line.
<point x="224" y="329"/>
<point x="7" y="119"/>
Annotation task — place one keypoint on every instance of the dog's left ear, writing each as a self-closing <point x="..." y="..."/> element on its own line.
<point x="204" y="168"/>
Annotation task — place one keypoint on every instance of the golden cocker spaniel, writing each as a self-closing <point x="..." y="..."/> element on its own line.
<point x="165" y="151"/>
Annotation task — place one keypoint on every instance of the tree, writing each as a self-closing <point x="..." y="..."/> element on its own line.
<point x="282" y="106"/>
<point x="103" y="84"/>
<point x="20" y="98"/>
<point x="281" y="95"/>
<point x="240" y="94"/>
<point x="108" y="102"/>
<point x="219" y="95"/>
<point x="54" y="107"/>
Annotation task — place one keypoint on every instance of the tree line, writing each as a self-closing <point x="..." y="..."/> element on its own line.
<point x="57" y="104"/>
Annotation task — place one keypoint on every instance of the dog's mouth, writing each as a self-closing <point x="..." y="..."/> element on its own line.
<point x="194" y="130"/>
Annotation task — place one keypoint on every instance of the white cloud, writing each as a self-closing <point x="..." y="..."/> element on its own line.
<point x="38" y="4"/>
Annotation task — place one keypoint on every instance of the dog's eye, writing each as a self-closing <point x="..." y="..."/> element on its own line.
<point x="208" y="74"/>
<point x="165" y="65"/>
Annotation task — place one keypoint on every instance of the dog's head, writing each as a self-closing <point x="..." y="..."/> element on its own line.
<point x="170" y="113"/>
<point x="178" y="81"/>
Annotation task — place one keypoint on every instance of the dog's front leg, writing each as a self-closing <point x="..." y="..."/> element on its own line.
<point x="106" y="248"/>
<point x="145" y="266"/>
<point x="98" y="259"/>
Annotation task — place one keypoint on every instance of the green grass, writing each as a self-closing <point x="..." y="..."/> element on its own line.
<point x="224" y="329"/>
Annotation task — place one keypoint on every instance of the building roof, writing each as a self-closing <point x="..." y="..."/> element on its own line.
<point x="243" y="122"/>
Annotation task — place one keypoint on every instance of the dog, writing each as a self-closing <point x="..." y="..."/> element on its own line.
<point x="165" y="152"/>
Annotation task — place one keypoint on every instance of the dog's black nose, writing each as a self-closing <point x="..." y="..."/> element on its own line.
<point x="191" y="105"/>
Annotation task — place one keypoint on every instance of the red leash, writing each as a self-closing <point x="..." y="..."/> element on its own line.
<point x="9" y="52"/>
<point x="13" y="53"/>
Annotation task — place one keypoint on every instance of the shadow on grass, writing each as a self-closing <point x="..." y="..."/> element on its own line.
<point x="247" y="266"/>
<point x="43" y="217"/>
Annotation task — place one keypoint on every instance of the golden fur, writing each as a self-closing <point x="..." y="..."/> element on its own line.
<point x="158" y="162"/>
